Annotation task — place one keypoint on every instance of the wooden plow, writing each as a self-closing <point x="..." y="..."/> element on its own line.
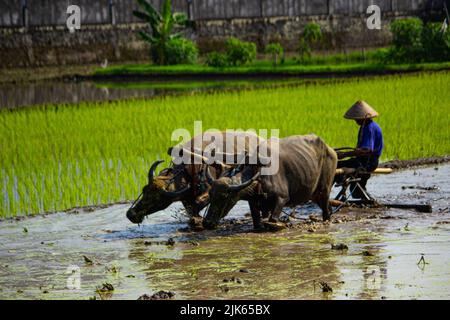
<point x="351" y="178"/>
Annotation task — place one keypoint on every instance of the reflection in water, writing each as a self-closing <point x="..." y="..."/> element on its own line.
<point x="381" y="260"/>
<point x="18" y="95"/>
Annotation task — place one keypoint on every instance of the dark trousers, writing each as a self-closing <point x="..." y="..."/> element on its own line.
<point x="368" y="164"/>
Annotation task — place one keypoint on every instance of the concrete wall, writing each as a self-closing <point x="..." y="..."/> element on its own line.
<point x="111" y="33"/>
<point x="53" y="12"/>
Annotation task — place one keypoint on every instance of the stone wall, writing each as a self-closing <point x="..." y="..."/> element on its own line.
<point x="43" y="46"/>
<point x="112" y="34"/>
<point x="340" y="32"/>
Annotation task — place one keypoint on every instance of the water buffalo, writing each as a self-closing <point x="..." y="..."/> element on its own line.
<point x="184" y="182"/>
<point x="307" y="166"/>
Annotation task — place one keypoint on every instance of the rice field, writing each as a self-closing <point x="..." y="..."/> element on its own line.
<point x="56" y="157"/>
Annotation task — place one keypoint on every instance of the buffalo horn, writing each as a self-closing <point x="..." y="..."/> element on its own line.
<point x="151" y="172"/>
<point x="244" y="185"/>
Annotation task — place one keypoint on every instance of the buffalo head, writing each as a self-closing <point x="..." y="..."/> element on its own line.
<point x="224" y="193"/>
<point x="157" y="195"/>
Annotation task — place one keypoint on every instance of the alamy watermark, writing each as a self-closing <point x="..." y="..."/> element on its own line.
<point x="230" y="147"/>
<point x="73" y="21"/>
<point x="373" y="22"/>
<point x="372" y="277"/>
<point x="74" y="279"/>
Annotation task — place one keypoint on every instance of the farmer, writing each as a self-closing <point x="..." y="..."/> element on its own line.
<point x="369" y="146"/>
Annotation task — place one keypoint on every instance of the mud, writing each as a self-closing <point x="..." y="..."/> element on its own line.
<point x="340" y="246"/>
<point x="383" y="259"/>
<point x="406" y="164"/>
<point x="161" y="295"/>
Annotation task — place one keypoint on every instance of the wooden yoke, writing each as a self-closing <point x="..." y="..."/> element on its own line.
<point x="342" y="171"/>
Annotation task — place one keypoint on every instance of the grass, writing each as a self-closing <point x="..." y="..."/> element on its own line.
<point x="56" y="157"/>
<point x="222" y="84"/>
<point x="318" y="64"/>
<point x="149" y="69"/>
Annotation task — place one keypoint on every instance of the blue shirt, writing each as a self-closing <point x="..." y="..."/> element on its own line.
<point x="370" y="137"/>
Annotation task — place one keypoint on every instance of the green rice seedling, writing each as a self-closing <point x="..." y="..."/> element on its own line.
<point x="55" y="157"/>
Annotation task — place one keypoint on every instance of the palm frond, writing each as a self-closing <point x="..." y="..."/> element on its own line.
<point x="175" y="36"/>
<point x="141" y="15"/>
<point x="180" y="18"/>
<point x="147" y="37"/>
<point x="153" y="14"/>
<point x="166" y="10"/>
<point x="147" y="6"/>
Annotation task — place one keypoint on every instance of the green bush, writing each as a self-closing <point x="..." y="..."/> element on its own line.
<point x="407" y="40"/>
<point x="407" y="32"/>
<point x="311" y="35"/>
<point x="381" y="55"/>
<point x="216" y="60"/>
<point x="415" y="42"/>
<point x="435" y="42"/>
<point x="180" y="51"/>
<point x="276" y="50"/>
<point x="240" y="52"/>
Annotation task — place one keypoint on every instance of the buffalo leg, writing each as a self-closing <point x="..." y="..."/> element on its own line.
<point x="324" y="204"/>
<point x="256" y="215"/>
<point x="191" y="210"/>
<point x="325" y="185"/>
<point x="265" y="213"/>
<point x="279" y="205"/>
<point x="322" y="199"/>
<point x="265" y="209"/>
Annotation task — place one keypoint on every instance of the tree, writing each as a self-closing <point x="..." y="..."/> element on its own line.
<point x="161" y="25"/>
<point x="276" y="50"/>
<point x="311" y="35"/>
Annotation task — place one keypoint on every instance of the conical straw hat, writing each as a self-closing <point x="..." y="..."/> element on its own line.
<point x="360" y="111"/>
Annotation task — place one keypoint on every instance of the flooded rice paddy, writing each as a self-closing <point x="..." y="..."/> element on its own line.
<point x="73" y="92"/>
<point x="71" y="255"/>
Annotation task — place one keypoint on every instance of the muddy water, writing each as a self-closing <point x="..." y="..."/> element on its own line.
<point x="19" y="95"/>
<point x="52" y="92"/>
<point x="39" y="262"/>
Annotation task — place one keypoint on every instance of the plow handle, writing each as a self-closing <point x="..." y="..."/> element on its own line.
<point x="377" y="171"/>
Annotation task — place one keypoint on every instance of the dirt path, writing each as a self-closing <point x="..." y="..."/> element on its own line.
<point x="40" y="257"/>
